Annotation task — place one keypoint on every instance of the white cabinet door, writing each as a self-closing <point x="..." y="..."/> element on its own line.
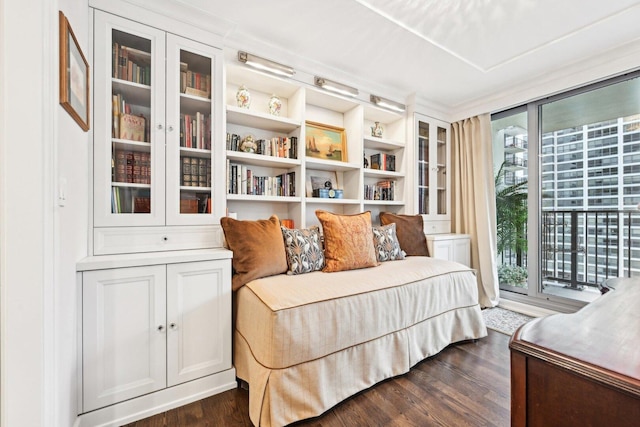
<point x="450" y="247"/>
<point x="199" y="319"/>
<point x="123" y="334"/>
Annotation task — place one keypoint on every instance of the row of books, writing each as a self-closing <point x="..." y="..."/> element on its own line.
<point x="286" y="147"/>
<point x="130" y="200"/>
<point x="382" y="190"/>
<point x="131" y="64"/>
<point x="195" y="131"/>
<point x="241" y="180"/>
<point x="195" y="202"/>
<point x="196" y="84"/>
<point x="126" y="125"/>
<point x="196" y="172"/>
<point x="383" y="161"/>
<point x="131" y="166"/>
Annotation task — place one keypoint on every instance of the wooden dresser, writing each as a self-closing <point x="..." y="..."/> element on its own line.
<point x="580" y="369"/>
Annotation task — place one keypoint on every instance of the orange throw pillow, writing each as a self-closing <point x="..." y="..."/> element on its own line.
<point x="410" y="232"/>
<point x="348" y="241"/>
<point x="258" y="249"/>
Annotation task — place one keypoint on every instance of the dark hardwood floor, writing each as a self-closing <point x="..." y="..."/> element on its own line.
<point x="466" y="384"/>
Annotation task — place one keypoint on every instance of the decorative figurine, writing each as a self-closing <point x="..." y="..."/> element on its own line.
<point x="377" y="130"/>
<point x="275" y="105"/>
<point x="248" y="145"/>
<point x="243" y="97"/>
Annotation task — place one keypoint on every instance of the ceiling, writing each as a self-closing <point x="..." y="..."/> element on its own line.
<point x="450" y="52"/>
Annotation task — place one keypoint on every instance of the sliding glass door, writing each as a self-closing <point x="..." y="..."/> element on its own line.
<point x="568" y="193"/>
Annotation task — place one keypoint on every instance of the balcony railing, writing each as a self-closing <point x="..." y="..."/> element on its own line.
<point x="584" y="248"/>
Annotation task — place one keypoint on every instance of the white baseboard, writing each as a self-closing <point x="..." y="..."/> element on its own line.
<point x="529" y="310"/>
<point x="154" y="403"/>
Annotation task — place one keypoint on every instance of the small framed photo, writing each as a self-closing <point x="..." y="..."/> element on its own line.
<point x="74" y="76"/>
<point x="325" y="142"/>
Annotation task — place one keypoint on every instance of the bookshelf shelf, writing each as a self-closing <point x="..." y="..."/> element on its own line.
<point x="129" y="185"/>
<point x="125" y="144"/>
<point x="329" y="165"/>
<point x="257" y="198"/>
<point x="262" y="160"/>
<point x="376" y="173"/>
<point x="248" y="118"/>
<point x="320" y="200"/>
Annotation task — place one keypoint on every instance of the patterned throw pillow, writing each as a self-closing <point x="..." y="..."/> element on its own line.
<point x="386" y="243"/>
<point x="304" y="249"/>
<point x="348" y="241"/>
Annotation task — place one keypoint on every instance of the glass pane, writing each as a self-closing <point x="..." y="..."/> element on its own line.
<point x="131" y="112"/>
<point x="423" y="168"/>
<point x="195" y="133"/>
<point x="590" y="189"/>
<point x="510" y="165"/>
<point x="442" y="171"/>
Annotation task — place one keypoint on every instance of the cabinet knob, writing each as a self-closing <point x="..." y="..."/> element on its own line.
<point x="165" y="238"/>
<point x="160" y="328"/>
<point x="159" y="126"/>
<point x="173" y="326"/>
<point x="170" y="128"/>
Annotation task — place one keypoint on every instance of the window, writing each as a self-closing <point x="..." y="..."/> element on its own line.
<point x="584" y="146"/>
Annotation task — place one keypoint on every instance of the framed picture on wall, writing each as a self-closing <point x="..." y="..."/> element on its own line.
<point x="325" y="142"/>
<point x="74" y="76"/>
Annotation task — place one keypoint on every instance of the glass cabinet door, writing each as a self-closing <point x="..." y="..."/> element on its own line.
<point x="423" y="167"/>
<point x="192" y="71"/>
<point x="128" y="152"/>
<point x="441" y="171"/>
<point x="433" y="180"/>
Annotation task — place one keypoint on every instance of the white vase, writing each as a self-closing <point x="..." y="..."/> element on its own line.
<point x="275" y="105"/>
<point x="243" y="97"/>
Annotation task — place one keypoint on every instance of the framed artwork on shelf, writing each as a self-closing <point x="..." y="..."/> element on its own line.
<point x="74" y="75"/>
<point x="325" y="142"/>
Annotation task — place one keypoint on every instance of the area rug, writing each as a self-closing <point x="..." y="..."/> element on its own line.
<point x="503" y="321"/>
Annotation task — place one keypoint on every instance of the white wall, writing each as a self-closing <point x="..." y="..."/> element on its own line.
<point x="39" y="241"/>
<point x="71" y="226"/>
<point x="26" y="225"/>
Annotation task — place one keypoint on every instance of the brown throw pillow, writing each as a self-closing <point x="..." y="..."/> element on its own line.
<point x="410" y="231"/>
<point x="258" y="248"/>
<point x="348" y="241"/>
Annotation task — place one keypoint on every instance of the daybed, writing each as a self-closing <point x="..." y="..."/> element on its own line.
<point x="305" y="342"/>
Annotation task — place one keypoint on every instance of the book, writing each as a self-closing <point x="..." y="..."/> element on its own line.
<point x="132" y="127"/>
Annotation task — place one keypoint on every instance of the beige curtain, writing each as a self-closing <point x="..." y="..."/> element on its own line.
<point x="473" y="200"/>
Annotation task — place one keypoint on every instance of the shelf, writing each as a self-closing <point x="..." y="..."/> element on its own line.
<point x="254" y="198"/>
<point x="330" y="165"/>
<point x="262" y="160"/>
<point x="312" y="200"/>
<point x="376" y="173"/>
<point x="195" y="152"/>
<point x="195" y="189"/>
<point x="194" y="103"/>
<point x="371" y="142"/>
<point x="129" y="185"/>
<point x="133" y="93"/>
<point x="125" y="144"/>
<point x="248" y="118"/>
<point x="384" y="202"/>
